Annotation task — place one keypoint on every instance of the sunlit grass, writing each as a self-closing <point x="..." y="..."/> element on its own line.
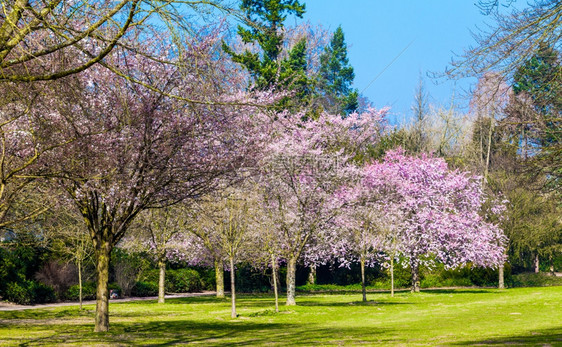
<point x="525" y="316"/>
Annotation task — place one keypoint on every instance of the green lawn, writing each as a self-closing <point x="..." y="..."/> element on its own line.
<point x="524" y="316"/>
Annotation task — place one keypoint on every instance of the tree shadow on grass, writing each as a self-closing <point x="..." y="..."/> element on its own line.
<point x="351" y="303"/>
<point x="461" y="291"/>
<point x="225" y="333"/>
<point x="544" y="337"/>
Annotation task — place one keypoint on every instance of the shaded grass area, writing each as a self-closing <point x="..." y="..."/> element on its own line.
<point x="521" y="316"/>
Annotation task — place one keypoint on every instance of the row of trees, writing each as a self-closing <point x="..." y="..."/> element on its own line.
<point x="160" y="138"/>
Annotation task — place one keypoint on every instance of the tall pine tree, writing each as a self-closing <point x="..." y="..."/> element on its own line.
<point x="270" y="68"/>
<point x="336" y="77"/>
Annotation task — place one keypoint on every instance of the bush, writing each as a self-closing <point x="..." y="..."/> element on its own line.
<point x="208" y="278"/>
<point x="535" y="280"/>
<point x="59" y="276"/>
<point x="88" y="292"/>
<point x="184" y="280"/>
<point x="145" y="289"/>
<point x="29" y="292"/>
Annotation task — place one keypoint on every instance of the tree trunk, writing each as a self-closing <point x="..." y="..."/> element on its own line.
<point x="392" y="276"/>
<point x="501" y="284"/>
<point x="291" y="281"/>
<point x="274" y="274"/>
<point x="161" y="281"/>
<point x="415" y="276"/>
<point x="489" y="149"/>
<point x="363" y="289"/>
<point x="232" y="289"/>
<point x="537" y="267"/>
<point x="219" y="278"/>
<point x="80" y="283"/>
<point x="312" y="275"/>
<point x="103" y="255"/>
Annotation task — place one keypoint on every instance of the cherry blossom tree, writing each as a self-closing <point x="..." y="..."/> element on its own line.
<point x="369" y="220"/>
<point x="150" y="151"/>
<point x="443" y="214"/>
<point x="304" y="174"/>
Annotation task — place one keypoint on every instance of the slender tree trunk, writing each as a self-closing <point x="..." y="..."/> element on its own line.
<point x="161" y="281"/>
<point x="501" y="284"/>
<point x="415" y="275"/>
<point x="103" y="255"/>
<point x="392" y="276"/>
<point x="363" y="288"/>
<point x="278" y="279"/>
<point x="489" y="149"/>
<point x="232" y="288"/>
<point x="312" y="275"/>
<point x="274" y="274"/>
<point x="291" y="281"/>
<point x="537" y="264"/>
<point x="219" y="278"/>
<point x="80" y="282"/>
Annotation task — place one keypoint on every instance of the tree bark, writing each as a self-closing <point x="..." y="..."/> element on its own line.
<point x="103" y="255"/>
<point x="537" y="263"/>
<point x="489" y="149"/>
<point x="80" y="283"/>
<point x="161" y="281"/>
<point x="291" y="281"/>
<point x="312" y="275"/>
<point x="363" y="288"/>
<point x="501" y="284"/>
<point x="219" y="278"/>
<point x="232" y="289"/>
<point x="392" y="276"/>
<point x="415" y="276"/>
<point x="274" y="274"/>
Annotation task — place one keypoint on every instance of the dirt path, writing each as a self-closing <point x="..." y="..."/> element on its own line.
<point x="7" y="306"/>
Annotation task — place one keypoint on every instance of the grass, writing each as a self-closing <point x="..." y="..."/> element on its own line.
<point x="520" y="316"/>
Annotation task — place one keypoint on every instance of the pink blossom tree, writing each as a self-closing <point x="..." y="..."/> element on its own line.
<point x="443" y="215"/>
<point x="150" y="150"/>
<point x="305" y="170"/>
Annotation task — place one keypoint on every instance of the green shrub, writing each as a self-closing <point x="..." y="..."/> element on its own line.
<point x="208" y="278"/>
<point x="145" y="289"/>
<point x="531" y="279"/>
<point x="88" y="292"/>
<point x="29" y="292"/>
<point x="184" y="280"/>
<point x="19" y="293"/>
<point x="43" y="293"/>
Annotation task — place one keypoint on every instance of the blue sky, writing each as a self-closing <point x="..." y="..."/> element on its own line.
<point x="377" y="31"/>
